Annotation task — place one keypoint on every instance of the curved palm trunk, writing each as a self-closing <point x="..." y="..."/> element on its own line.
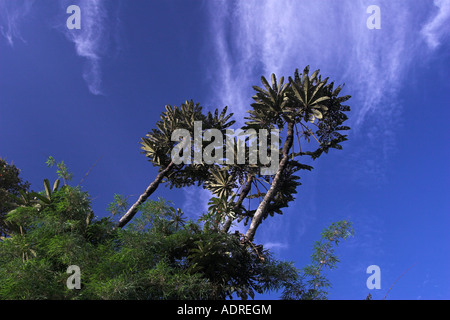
<point x="257" y="217"/>
<point x="242" y="196"/>
<point x="150" y="189"/>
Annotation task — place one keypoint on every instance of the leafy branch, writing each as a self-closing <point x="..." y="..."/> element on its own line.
<point x="62" y="171"/>
<point x="323" y="257"/>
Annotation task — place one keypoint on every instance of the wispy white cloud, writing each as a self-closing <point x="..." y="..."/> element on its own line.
<point x="12" y="14"/>
<point x="438" y="27"/>
<point x="91" y="41"/>
<point x="253" y="38"/>
<point x="261" y="37"/>
<point x="275" y="245"/>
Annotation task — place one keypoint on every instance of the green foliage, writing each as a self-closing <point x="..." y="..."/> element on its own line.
<point x="51" y="238"/>
<point x="12" y="189"/>
<point x="161" y="254"/>
<point x="309" y="107"/>
<point x="157" y="144"/>
<point x="119" y="205"/>
<point x="305" y="100"/>
<point x="314" y="285"/>
<point x="62" y="170"/>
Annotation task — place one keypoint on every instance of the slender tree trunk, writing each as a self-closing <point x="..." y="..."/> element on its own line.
<point x="262" y="208"/>
<point x="242" y="196"/>
<point x="150" y="189"/>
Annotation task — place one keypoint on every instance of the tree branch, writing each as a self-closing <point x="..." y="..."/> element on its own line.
<point x="262" y="208"/>
<point x="143" y="197"/>
<point x="242" y="196"/>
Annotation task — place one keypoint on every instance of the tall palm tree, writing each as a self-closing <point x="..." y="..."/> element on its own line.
<point x="302" y="102"/>
<point x="157" y="146"/>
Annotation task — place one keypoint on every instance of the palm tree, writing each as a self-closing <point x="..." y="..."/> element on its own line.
<point x="302" y="102"/>
<point x="157" y="146"/>
<point x="299" y="106"/>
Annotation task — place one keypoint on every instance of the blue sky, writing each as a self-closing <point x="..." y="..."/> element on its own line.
<point x="91" y="94"/>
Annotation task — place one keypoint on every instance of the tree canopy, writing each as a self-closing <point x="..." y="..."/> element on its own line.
<point x="12" y="188"/>
<point x="160" y="253"/>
